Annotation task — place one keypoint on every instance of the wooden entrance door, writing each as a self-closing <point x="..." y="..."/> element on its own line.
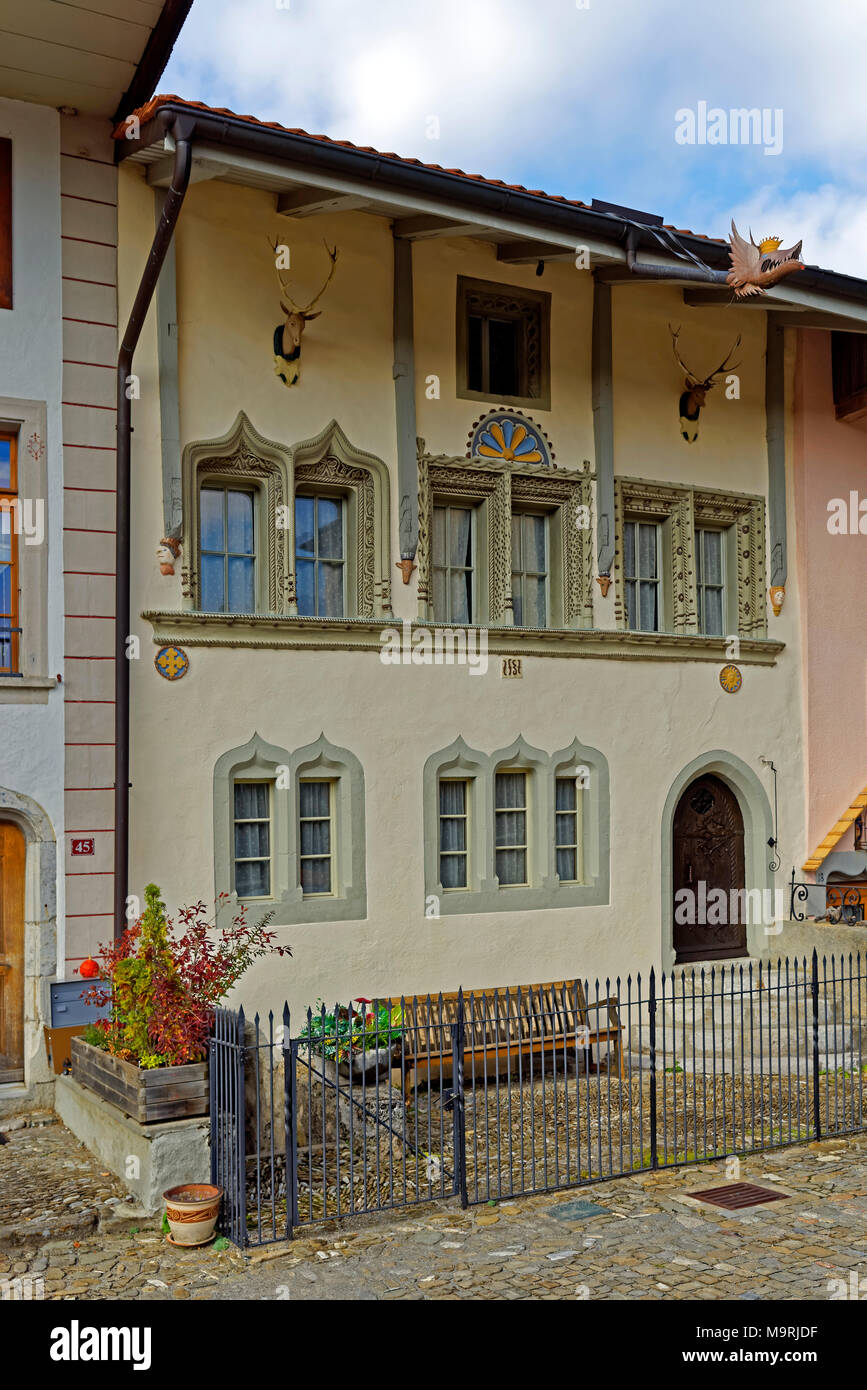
<point x="708" y="849"/>
<point x="12" y="855"/>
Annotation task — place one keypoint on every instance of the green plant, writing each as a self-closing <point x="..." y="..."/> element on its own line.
<point x="221" y="1243"/>
<point x="349" y="1031"/>
<point x="165" y="1224"/>
<point x="163" y="985"/>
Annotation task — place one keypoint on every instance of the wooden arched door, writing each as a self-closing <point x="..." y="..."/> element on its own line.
<point x="708" y="854"/>
<point x="12" y="856"/>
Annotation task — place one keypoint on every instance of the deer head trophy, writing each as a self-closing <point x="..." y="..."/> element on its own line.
<point x="696" y="388"/>
<point x="287" y="336"/>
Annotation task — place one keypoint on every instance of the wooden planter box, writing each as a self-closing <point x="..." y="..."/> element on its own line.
<point x="159" y="1093"/>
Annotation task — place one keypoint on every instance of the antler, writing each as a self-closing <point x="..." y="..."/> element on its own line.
<point x="275" y="247"/>
<point x="332" y="255"/>
<point x="284" y="289"/>
<point x="722" y="366"/>
<point x="690" y="375"/>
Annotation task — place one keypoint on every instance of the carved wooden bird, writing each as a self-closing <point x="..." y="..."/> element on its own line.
<point x="754" y="268"/>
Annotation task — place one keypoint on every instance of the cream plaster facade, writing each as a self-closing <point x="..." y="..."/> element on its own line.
<point x="651" y="713"/>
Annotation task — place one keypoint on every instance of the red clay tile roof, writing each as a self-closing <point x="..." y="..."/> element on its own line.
<point x="149" y="110"/>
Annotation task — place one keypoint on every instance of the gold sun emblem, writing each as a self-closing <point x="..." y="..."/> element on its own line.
<point x="731" y="679"/>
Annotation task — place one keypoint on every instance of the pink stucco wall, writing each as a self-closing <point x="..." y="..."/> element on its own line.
<point x="830" y="462"/>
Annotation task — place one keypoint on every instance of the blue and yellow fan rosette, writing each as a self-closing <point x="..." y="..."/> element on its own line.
<point x="509" y="441"/>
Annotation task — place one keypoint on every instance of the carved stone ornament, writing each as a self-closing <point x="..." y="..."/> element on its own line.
<point x="604" y="582"/>
<point x="509" y="436"/>
<point x="168" y="552"/>
<point x="499" y="483"/>
<point x="275" y="469"/>
<point x="777" y="594"/>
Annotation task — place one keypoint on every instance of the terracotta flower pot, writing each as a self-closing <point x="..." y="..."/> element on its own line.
<point x="192" y="1210"/>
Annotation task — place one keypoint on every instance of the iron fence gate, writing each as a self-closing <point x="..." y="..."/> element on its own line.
<point x="485" y="1096"/>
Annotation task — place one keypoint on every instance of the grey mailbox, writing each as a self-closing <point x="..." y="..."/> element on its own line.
<point x="68" y="1009"/>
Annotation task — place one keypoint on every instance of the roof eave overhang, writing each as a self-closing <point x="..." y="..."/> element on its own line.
<point x="482" y="208"/>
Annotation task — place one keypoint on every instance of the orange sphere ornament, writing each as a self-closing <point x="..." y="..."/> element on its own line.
<point x="88" y="970"/>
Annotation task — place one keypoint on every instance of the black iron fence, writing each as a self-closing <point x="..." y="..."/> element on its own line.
<point x="491" y="1095"/>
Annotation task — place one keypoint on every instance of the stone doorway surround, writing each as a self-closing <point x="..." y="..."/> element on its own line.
<point x="40" y="949"/>
<point x="758" y="829"/>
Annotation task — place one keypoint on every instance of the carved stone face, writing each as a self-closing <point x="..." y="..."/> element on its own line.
<point x="166" y="557"/>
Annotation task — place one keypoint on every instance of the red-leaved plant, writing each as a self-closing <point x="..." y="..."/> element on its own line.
<point x="164" y="982"/>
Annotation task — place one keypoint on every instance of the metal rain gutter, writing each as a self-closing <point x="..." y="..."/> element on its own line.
<point x="476" y="195"/>
<point x="182" y="131"/>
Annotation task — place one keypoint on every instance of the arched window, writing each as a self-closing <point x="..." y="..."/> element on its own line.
<point x="300" y="530"/>
<point x="289" y="832"/>
<point x="515" y="829"/>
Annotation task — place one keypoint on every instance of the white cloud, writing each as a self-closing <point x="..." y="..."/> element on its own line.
<point x="578" y="101"/>
<point x="832" y="224"/>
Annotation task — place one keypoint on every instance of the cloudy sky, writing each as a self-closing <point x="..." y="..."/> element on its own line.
<point x="579" y="97"/>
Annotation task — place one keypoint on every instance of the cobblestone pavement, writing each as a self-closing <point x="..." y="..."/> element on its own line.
<point x="633" y="1238"/>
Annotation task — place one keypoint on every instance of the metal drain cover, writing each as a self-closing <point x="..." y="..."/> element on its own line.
<point x="736" y="1195"/>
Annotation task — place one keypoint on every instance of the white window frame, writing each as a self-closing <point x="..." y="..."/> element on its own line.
<point x="527" y="880"/>
<point x="467" y="852"/>
<point x="578" y="813"/>
<point x="638" y="579"/>
<point x="517" y="514"/>
<point x="448" y="505"/>
<point x="332" y="785"/>
<point x="225" y="486"/>
<point x="254" y="820"/>
<point x="702" y="584"/>
<point x="316" y="494"/>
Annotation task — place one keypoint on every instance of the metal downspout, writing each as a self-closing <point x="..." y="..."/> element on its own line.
<point x="147" y="285"/>
<point x="657" y="272"/>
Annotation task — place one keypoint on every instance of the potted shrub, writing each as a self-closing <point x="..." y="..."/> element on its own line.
<point x="148" y="1056"/>
<point x="363" y="1040"/>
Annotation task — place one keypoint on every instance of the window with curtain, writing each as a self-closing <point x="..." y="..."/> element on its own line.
<point x="252" y="839"/>
<point x="8" y="556"/>
<point x="503" y="342"/>
<point x="710" y="581"/>
<point x="227" y="549"/>
<point x="316" y="835"/>
<point x="641" y="573"/>
<point x="566" y="833"/>
<point x="453" y="588"/>
<point x="453" y="813"/>
<point x="320" y="555"/>
<point x="530" y="569"/>
<point x="510" y="817"/>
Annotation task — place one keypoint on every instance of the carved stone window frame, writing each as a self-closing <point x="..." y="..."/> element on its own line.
<point x="515" y="301"/>
<point x="257" y="760"/>
<point x="495" y="486"/>
<point x="682" y="509"/>
<point x="483" y="892"/>
<point x="327" y="461"/>
<point x="744" y="516"/>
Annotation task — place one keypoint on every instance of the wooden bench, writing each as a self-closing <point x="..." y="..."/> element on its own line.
<point x="510" y="1030"/>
